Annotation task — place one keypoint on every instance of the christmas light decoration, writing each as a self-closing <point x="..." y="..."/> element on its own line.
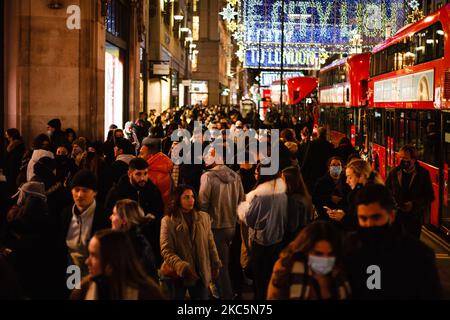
<point x="232" y="26"/>
<point x="413" y="4"/>
<point x="228" y="13"/>
<point x="321" y="27"/>
<point x="415" y="16"/>
<point x="233" y="2"/>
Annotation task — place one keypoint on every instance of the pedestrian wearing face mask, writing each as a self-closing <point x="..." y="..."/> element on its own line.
<point x="310" y="267"/>
<point x="381" y="261"/>
<point x="411" y="186"/>
<point x="331" y="190"/>
<point x="359" y="173"/>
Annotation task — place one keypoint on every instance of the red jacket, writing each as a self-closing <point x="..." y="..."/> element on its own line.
<point x="159" y="172"/>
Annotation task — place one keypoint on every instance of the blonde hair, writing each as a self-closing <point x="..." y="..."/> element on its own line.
<point x="362" y="168"/>
<point x="130" y="211"/>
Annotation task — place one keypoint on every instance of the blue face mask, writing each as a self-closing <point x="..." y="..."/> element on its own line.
<point x="321" y="265"/>
<point x="335" y="171"/>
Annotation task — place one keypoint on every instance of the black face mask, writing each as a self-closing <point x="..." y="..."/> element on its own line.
<point x="405" y="165"/>
<point x="90" y="155"/>
<point x="375" y="236"/>
<point x="61" y="158"/>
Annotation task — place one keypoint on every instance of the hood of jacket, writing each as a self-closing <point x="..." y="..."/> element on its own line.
<point x="224" y="174"/>
<point x="269" y="188"/>
<point x="160" y="162"/>
<point x="41" y="153"/>
<point x="125" y="158"/>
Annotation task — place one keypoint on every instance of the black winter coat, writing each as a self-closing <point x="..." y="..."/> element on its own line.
<point x="407" y="266"/>
<point x="13" y="158"/>
<point x="144" y="250"/>
<point x="420" y="190"/>
<point x="316" y="159"/>
<point x="150" y="200"/>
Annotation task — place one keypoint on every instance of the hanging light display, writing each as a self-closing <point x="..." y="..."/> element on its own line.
<point x="313" y="30"/>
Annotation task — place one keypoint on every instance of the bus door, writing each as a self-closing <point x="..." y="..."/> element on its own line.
<point x="390" y="131"/>
<point x="445" y="196"/>
<point x="378" y="140"/>
<point x="423" y="130"/>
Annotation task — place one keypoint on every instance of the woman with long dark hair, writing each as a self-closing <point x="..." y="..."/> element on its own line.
<point x="187" y="247"/>
<point x="12" y="158"/>
<point x="115" y="272"/>
<point x="129" y="217"/>
<point x="310" y="267"/>
<point x="300" y="208"/>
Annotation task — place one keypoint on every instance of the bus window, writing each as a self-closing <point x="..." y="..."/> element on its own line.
<point x="391" y="55"/>
<point x="445" y="218"/>
<point x="401" y="131"/>
<point x="439" y="38"/>
<point x="378" y="136"/>
<point x="429" y="148"/>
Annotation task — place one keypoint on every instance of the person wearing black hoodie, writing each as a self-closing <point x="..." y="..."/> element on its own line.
<point x="138" y="187"/>
<point x="56" y="135"/>
<point x="381" y="261"/>
<point x="31" y="239"/>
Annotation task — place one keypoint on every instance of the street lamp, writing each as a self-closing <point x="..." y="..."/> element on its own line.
<point x="178" y="17"/>
<point x="282" y="54"/>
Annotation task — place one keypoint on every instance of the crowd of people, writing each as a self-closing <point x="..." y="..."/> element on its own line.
<point x="139" y="226"/>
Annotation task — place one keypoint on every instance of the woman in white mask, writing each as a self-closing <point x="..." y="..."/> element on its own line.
<point x="331" y="190"/>
<point x="310" y="267"/>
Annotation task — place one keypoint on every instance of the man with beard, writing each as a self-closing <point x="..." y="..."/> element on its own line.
<point x="411" y="186"/>
<point x="138" y="187"/>
<point x="380" y="260"/>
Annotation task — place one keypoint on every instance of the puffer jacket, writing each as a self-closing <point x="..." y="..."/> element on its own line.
<point x="265" y="212"/>
<point x="180" y="248"/>
<point x="221" y="191"/>
<point x="159" y="172"/>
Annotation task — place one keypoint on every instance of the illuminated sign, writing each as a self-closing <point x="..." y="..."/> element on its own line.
<point x="293" y="58"/>
<point x="199" y="86"/>
<point x="267" y="78"/>
<point x="313" y="29"/>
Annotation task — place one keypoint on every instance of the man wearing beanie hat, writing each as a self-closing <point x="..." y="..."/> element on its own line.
<point x="83" y="219"/>
<point x="56" y="135"/>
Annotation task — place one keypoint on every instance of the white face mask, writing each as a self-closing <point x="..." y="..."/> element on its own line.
<point x="321" y="265"/>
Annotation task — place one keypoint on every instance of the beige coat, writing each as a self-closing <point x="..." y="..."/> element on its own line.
<point x="180" y="249"/>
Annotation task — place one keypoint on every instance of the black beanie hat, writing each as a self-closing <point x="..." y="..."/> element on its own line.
<point x="85" y="179"/>
<point x="55" y="123"/>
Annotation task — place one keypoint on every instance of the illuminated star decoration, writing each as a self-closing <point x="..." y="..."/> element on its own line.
<point x="415" y="16"/>
<point x="323" y="56"/>
<point x="228" y="13"/>
<point x="414" y="4"/>
<point x="240" y="54"/>
<point x="233" y="2"/>
<point x="238" y="35"/>
<point x="232" y="26"/>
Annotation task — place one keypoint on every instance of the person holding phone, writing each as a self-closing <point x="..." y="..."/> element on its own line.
<point x="359" y="173"/>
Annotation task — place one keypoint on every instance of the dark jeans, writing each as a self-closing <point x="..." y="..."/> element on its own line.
<point x="196" y="292"/>
<point x="236" y="272"/>
<point x="263" y="259"/>
<point x="411" y="223"/>
<point x="223" y="239"/>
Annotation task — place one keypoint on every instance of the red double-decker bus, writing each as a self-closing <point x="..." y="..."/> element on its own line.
<point x="408" y="102"/>
<point x="342" y="98"/>
<point x="409" y="88"/>
<point x="295" y="90"/>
